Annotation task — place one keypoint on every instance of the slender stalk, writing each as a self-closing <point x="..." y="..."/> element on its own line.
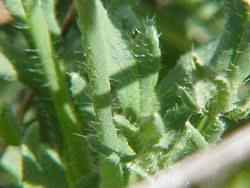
<point x="74" y="148"/>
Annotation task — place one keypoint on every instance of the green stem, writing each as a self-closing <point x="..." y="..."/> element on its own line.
<point x="95" y="45"/>
<point x="74" y="148"/>
<point x="97" y="62"/>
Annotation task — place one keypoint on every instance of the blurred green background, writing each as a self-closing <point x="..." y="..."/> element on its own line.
<point x="183" y="25"/>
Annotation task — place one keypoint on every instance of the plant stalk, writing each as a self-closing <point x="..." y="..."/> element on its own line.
<point x="96" y="50"/>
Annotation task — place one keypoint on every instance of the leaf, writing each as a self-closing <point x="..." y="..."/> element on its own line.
<point x="133" y="64"/>
<point x="124" y="126"/>
<point x="7" y="71"/>
<point x="187" y="98"/>
<point x="79" y="89"/>
<point x="77" y="83"/>
<point x="175" y="117"/>
<point x="42" y="165"/>
<point x="227" y="50"/>
<point x="95" y="27"/>
<point x="146" y="50"/>
<point x="181" y="148"/>
<point x="222" y="100"/>
<point x="203" y="91"/>
<point x="184" y="74"/>
<point x="180" y="75"/>
<point x="11" y="167"/>
<point x="57" y="90"/>
<point x="213" y="129"/>
<point x="124" y="148"/>
<point x="9" y="130"/>
<point x="167" y="140"/>
<point x="111" y="166"/>
<point x="16" y="8"/>
<point x="113" y="52"/>
<point x="151" y="130"/>
<point x="48" y="7"/>
<point x="196" y="136"/>
<point x="146" y="163"/>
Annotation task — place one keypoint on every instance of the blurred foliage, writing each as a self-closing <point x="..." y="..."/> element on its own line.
<point x="168" y="94"/>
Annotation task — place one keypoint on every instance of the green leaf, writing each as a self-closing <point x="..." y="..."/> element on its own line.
<point x="123" y="124"/>
<point x="203" y="91"/>
<point x="180" y="75"/>
<point x="191" y="70"/>
<point x="77" y="83"/>
<point x="196" y="136"/>
<point x="24" y="8"/>
<point x="111" y="167"/>
<point x="11" y="167"/>
<point x="213" y="129"/>
<point x="167" y="140"/>
<point x="228" y="48"/>
<point x="9" y="130"/>
<point x="48" y="7"/>
<point x="125" y="128"/>
<point x="181" y="148"/>
<point x="222" y="100"/>
<point x="146" y="50"/>
<point x="107" y="55"/>
<point x="7" y="71"/>
<point x="187" y="98"/>
<point x="16" y="8"/>
<point x="151" y="130"/>
<point x="112" y="52"/>
<point x="42" y="164"/>
<point x="95" y="27"/>
<point x="175" y="117"/>
<point x="54" y="79"/>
